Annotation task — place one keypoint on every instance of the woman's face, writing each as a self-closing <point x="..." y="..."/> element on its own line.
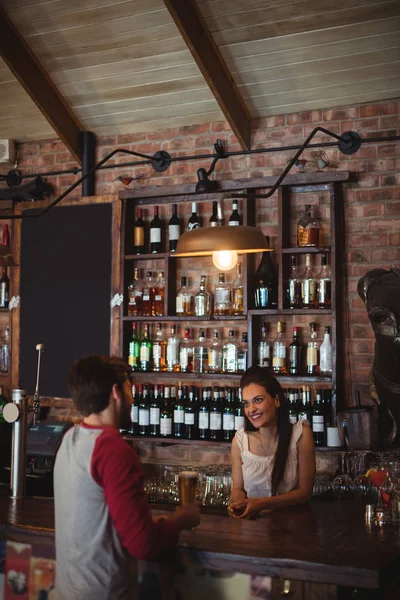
<point x="259" y="407"/>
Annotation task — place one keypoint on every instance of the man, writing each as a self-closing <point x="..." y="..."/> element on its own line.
<point x="101" y="509"/>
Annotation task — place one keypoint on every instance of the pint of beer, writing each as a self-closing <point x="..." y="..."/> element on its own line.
<point x="187" y="487"/>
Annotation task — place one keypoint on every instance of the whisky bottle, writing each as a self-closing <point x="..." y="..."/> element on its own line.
<point x="308" y="229"/>
<point x="295" y="287"/>
<point x="215" y="354"/>
<point x="183" y="300"/>
<point x="174" y="229"/>
<point x="186" y="353"/>
<point x="230" y="354"/>
<point x="279" y="352"/>
<point x="155" y="412"/>
<point x="159" y="350"/>
<point x="295" y="354"/>
<point x="145" y="354"/>
<point x="237" y="292"/>
<point x="135" y="294"/>
<point x="148" y="295"/>
<point x="158" y="297"/>
<point x="264" y="349"/>
<point x="312" y="351"/>
<point x="324" y="284"/>
<point x="156" y="233"/>
<point x="173" y="351"/>
<point x="234" y="219"/>
<point x="242" y="354"/>
<point x="139" y="234"/>
<point x="309" y="286"/>
<point x="222" y="297"/>
<point x="266" y="282"/>
<point x="202" y="300"/>
<point x="200" y="354"/>
<point x="134" y="350"/>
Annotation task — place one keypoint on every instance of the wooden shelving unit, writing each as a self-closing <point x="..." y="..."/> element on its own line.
<point x="330" y="183"/>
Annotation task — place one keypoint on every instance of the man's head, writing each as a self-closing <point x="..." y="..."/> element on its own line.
<point x="101" y="383"/>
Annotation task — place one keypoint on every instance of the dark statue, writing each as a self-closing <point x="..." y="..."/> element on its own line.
<point x="380" y="291"/>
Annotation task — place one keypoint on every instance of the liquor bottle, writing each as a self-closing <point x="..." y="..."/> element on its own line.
<point x="318" y="422"/>
<point x="174" y="229"/>
<point x="228" y="416"/>
<point x="230" y="354"/>
<point x="279" y="352"/>
<point x="235" y="219"/>
<point x="155" y="411"/>
<point x="173" y="351"/>
<point x="144" y="411"/>
<point x="159" y="350"/>
<point x="264" y="358"/>
<point x="295" y="288"/>
<point x="309" y="285"/>
<point x="325" y="353"/>
<point x="139" y="234"/>
<point x="202" y="300"/>
<point x="308" y="230"/>
<point x="148" y="295"/>
<point x="222" y="297"/>
<point x="145" y="354"/>
<point x="215" y="354"/>
<point x="292" y="407"/>
<point x="237" y="292"/>
<point x="305" y="408"/>
<point x="215" y="416"/>
<point x="186" y="353"/>
<point x="179" y="414"/>
<point x="3" y="402"/>
<point x="295" y="354"/>
<point x="4" y="289"/>
<point x="134" y="428"/>
<point x="134" y="350"/>
<point x="312" y="351"/>
<point x="200" y="354"/>
<point x="324" y="284"/>
<point x="157" y="309"/>
<point x="135" y="294"/>
<point x="214" y="220"/>
<point x="191" y="416"/>
<point x="183" y="300"/>
<point x="6" y="236"/>
<point x="195" y="222"/>
<point x="266" y="282"/>
<point x="156" y="233"/>
<point x="239" y="410"/>
<point x="242" y="354"/>
<point x="5" y="352"/>
<point x="204" y="416"/>
<point x="166" y="416"/>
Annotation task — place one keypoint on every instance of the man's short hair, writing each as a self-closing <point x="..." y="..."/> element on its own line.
<point x="91" y="380"/>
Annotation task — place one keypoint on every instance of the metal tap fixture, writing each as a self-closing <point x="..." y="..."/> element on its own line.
<point x="16" y="412"/>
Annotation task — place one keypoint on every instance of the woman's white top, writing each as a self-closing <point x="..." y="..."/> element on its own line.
<point x="257" y="470"/>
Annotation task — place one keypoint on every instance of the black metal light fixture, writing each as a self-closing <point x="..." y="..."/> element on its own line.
<point x="204" y="184"/>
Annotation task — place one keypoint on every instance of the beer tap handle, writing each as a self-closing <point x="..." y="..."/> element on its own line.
<point x="36" y="396"/>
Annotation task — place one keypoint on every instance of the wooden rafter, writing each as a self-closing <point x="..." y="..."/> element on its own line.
<point x="37" y="83"/>
<point x="206" y="53"/>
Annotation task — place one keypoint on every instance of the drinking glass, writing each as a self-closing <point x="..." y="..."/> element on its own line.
<point x="342" y="484"/>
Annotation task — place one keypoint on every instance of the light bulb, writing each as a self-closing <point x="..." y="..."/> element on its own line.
<point x="225" y="260"/>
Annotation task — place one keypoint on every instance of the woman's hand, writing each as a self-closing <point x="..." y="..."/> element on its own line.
<point x="245" y="509"/>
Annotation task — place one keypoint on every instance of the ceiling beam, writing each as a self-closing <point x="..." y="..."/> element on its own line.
<point x="37" y="83"/>
<point x="205" y="51"/>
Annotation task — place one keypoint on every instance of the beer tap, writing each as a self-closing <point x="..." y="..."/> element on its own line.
<point x="36" y="397"/>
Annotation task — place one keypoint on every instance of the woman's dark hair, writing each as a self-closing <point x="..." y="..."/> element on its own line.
<point x="91" y="380"/>
<point x="263" y="377"/>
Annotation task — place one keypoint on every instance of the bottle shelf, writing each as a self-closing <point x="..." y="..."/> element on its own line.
<point x="304" y="378"/>
<point x="195" y="376"/>
<point x="305" y="250"/>
<point x="4" y="310"/>
<point x="186" y="319"/>
<point x="157" y="256"/>
<point x="289" y="311"/>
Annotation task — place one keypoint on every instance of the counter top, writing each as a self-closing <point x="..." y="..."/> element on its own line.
<point x="324" y="541"/>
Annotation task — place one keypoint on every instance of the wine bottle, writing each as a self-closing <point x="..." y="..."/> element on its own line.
<point x="174" y="229"/>
<point x="266" y="282"/>
<point x="156" y="233"/>
<point x="6" y="236"/>
<point x="195" y="222"/>
<point x="4" y="289"/>
<point x="295" y="354"/>
<point x="234" y="219"/>
<point x="214" y="221"/>
<point x="139" y="234"/>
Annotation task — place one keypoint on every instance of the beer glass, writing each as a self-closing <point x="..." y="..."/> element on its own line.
<point x="187" y="487"/>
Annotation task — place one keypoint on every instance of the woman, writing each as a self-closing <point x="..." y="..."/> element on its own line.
<point x="273" y="461"/>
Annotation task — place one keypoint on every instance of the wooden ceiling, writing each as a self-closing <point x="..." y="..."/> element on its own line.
<point x="123" y="65"/>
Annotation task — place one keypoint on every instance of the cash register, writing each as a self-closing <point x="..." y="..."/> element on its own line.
<point x="43" y="440"/>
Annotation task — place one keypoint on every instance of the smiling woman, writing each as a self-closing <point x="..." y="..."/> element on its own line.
<point x="273" y="461"/>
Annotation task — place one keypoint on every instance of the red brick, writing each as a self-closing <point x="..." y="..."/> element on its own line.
<point x="387" y="122"/>
<point x="268" y="122"/>
<point x="387" y="225"/>
<point x="221" y="126"/>
<point x="341" y="114"/>
<point x="356" y="240"/>
<point x="389" y="150"/>
<point x="360" y="126"/>
<point x="385" y="255"/>
<point x="388" y="180"/>
<point x="194" y="129"/>
<point x="363" y="360"/>
<point x="365" y="347"/>
<point x="357" y="225"/>
<point x="107" y="140"/>
<point x="392" y="208"/>
<point x="309" y="116"/>
<point x="374" y="110"/>
<point x="359" y="256"/>
<point x="381" y="195"/>
<point x="52" y="147"/>
<point x="394" y="239"/>
<point x="125" y="139"/>
<point x="163" y="134"/>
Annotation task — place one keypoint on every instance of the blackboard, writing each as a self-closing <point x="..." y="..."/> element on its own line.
<point x="65" y="292"/>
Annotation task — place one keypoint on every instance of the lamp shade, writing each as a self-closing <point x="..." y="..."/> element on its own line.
<point x="206" y="241"/>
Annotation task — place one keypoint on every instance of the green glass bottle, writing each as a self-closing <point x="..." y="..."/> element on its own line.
<point x="145" y="350"/>
<point x="134" y="350"/>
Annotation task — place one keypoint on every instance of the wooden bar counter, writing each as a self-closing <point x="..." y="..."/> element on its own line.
<point x="325" y="542"/>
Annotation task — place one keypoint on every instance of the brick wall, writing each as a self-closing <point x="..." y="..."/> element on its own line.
<point x="372" y="199"/>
